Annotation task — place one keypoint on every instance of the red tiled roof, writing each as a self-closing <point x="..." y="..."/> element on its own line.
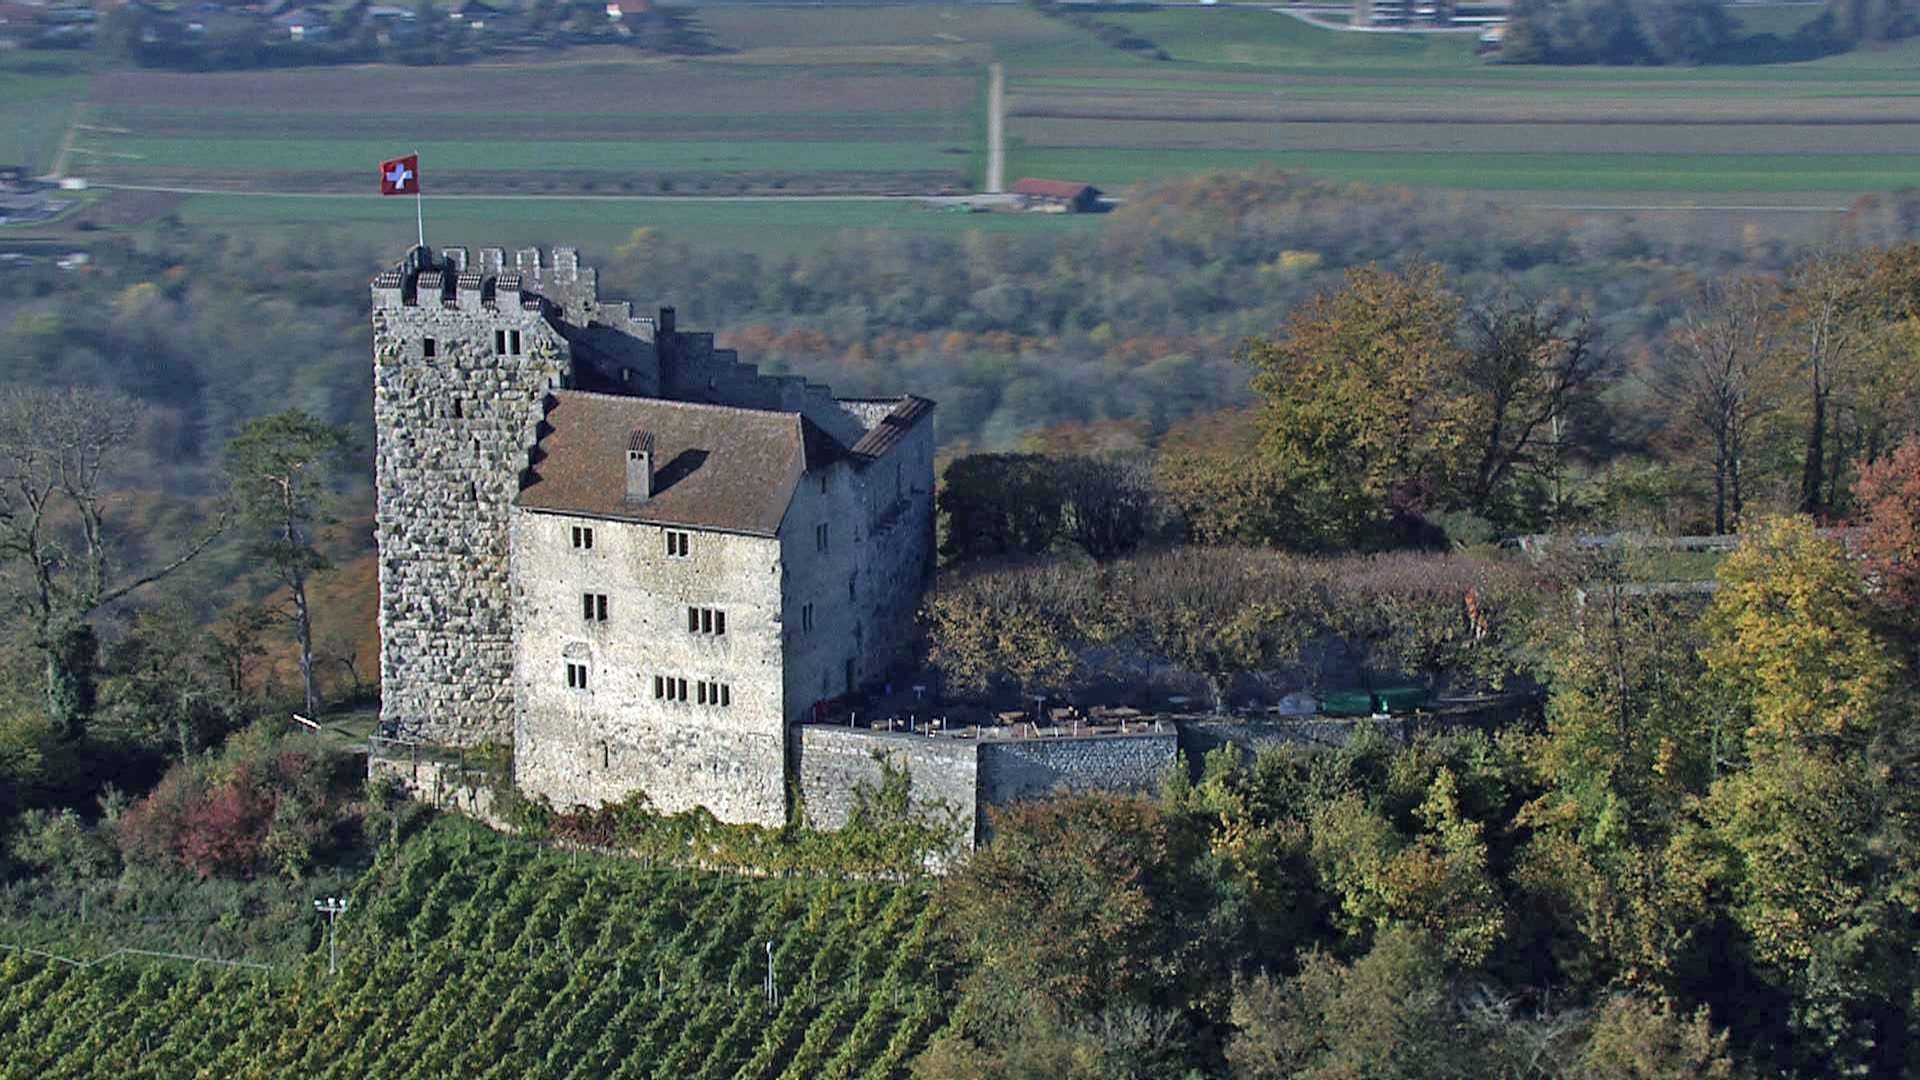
<point x="892" y="428"/>
<point x="1051" y="189"/>
<point x="716" y="467"/>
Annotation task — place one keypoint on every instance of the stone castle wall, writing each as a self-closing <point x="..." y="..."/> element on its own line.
<point x="970" y="775"/>
<point x="600" y="743"/>
<point x="830" y="763"/>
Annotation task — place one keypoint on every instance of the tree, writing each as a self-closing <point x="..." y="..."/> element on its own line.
<point x="283" y="470"/>
<point x="1889" y="492"/>
<point x="58" y="449"/>
<point x="1525" y="367"/>
<point x="1790" y="635"/>
<point x="1716" y="372"/>
<point x="1640" y="1038"/>
<point x="1387" y="1015"/>
<point x="1072" y="907"/>
<point x="1830" y="332"/>
<point x="1358" y="402"/>
<point x="1821" y="857"/>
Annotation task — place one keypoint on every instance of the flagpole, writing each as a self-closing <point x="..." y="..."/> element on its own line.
<point x="419" y="213"/>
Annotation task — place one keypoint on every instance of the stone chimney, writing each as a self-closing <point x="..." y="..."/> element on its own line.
<point x="640" y="466"/>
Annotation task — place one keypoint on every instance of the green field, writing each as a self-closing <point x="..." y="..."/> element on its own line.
<point x="465" y="954"/>
<point x="38" y="93"/>
<point x="773" y="228"/>
<point x="888" y="99"/>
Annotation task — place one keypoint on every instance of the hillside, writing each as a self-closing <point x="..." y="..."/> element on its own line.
<point x="464" y="953"/>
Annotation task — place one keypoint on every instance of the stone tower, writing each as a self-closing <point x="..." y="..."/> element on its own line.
<point x="462" y="363"/>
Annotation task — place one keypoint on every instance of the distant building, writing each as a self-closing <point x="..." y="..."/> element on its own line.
<point x="1057" y="196"/>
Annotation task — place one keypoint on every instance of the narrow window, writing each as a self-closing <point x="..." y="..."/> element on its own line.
<point x="719" y="622"/>
<point x="683" y="688"/>
<point x="806" y="616"/>
<point x="706" y="620"/>
<point x="577" y="676"/>
<point x="605" y="757"/>
<point x="600" y="606"/>
<point x="820" y="537"/>
<point x="586" y="606"/>
<point x="823" y="483"/>
<point x="726" y="694"/>
<point x="677" y="544"/>
<point x="429" y="348"/>
<point x="659" y="687"/>
<point x="700" y="689"/>
<point x="515" y="337"/>
<point x="582" y="538"/>
<point x="499" y="342"/>
<point x="693" y="620"/>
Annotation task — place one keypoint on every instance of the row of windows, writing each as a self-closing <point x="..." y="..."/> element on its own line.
<point x="677" y="545"/>
<point x="667" y="688"/>
<point x="713" y="621"/>
<point x="705" y="691"/>
<point x="505" y="343"/>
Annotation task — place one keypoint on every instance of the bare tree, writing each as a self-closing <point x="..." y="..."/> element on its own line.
<point x="1716" y="372"/>
<point x="58" y="449"/>
<point x="1526" y="364"/>
<point x="1829" y="334"/>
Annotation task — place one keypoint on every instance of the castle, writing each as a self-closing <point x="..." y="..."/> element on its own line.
<point x="603" y="539"/>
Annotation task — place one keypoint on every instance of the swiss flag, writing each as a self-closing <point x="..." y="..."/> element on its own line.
<point x="401" y="176"/>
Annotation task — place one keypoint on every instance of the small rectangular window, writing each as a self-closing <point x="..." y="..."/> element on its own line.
<point x="806" y="616"/>
<point x="499" y="342"/>
<point x="693" y="620"/>
<point x="429" y="348"/>
<point x="683" y="688"/>
<point x="706" y="620"/>
<point x="820" y="537"/>
<point x="600" y="606"/>
<point x="515" y="337"/>
<point x="676" y="544"/>
<point x="700" y="689"/>
<point x="659" y="687"/>
<point x="719" y="622"/>
<point x="577" y="676"/>
<point x="726" y="694"/>
<point x="582" y="538"/>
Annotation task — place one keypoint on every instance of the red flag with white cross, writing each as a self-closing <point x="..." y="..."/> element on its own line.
<point x="401" y="176"/>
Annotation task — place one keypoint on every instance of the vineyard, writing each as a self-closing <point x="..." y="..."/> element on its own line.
<point x="467" y="954"/>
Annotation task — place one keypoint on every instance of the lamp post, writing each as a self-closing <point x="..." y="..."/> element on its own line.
<point x="331" y="907"/>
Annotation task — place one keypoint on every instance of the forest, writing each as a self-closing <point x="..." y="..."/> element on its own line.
<point x="1259" y="432"/>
